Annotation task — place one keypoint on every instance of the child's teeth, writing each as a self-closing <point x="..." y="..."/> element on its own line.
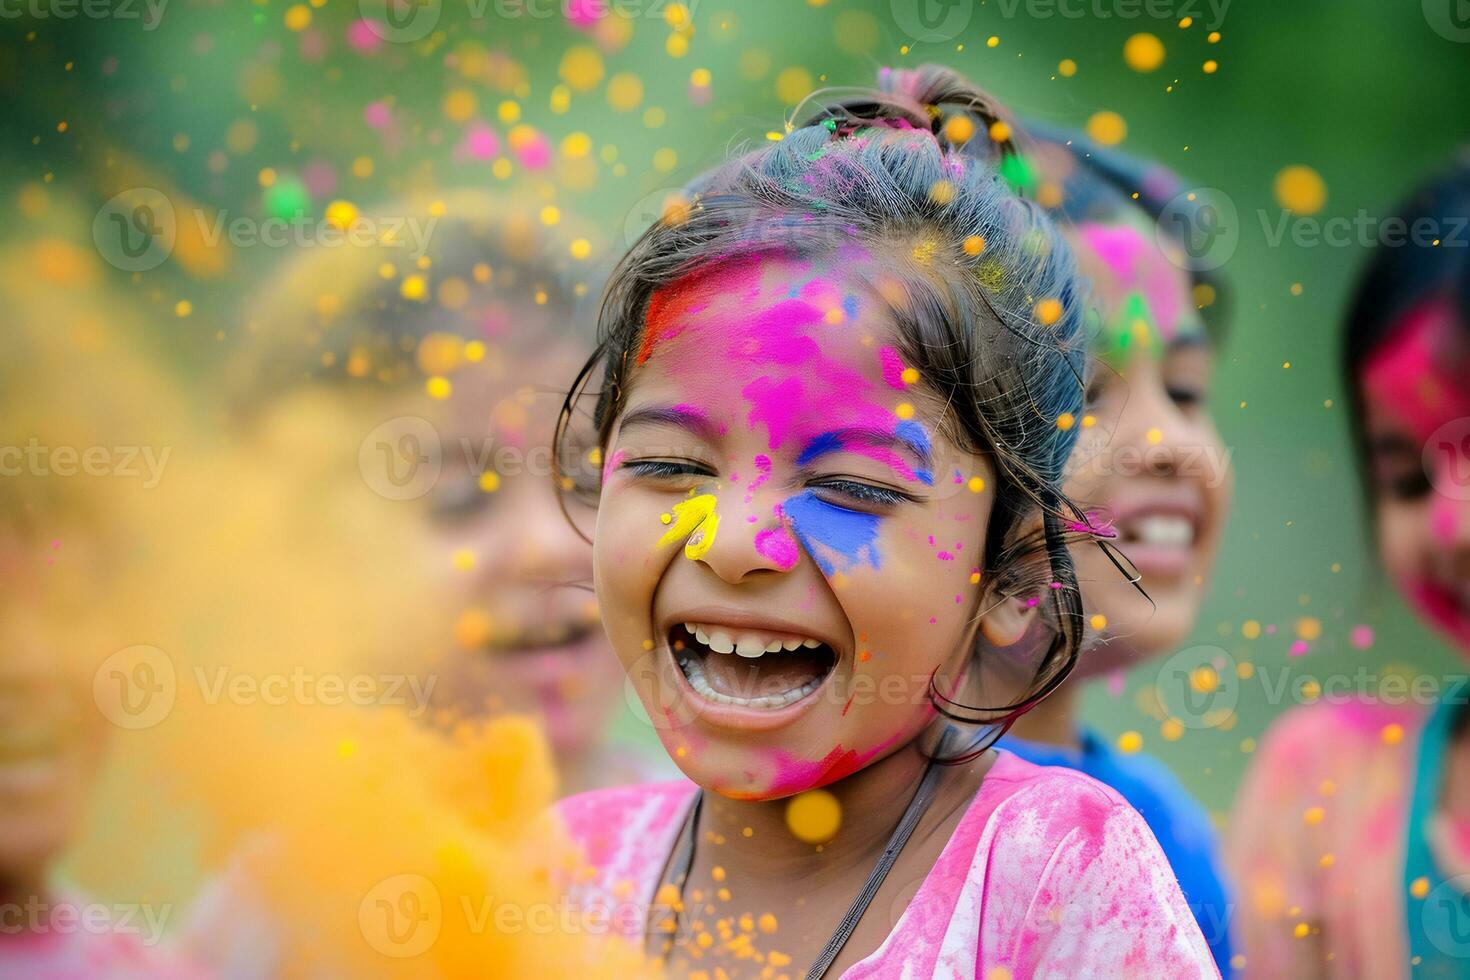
<point x="701" y="636"/>
<point x="773" y="647"/>
<point x="790" y="644"/>
<point x="750" y="646"/>
<point x="810" y="644"/>
<point x="720" y="642"/>
<point x="690" y="628"/>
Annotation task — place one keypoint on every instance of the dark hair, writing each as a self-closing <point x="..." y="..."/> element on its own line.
<point x="920" y="158"/>
<point x="1397" y="279"/>
<point x="1080" y="180"/>
<point x="500" y="259"/>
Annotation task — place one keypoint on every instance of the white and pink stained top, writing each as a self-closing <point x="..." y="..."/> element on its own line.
<point x="1049" y="874"/>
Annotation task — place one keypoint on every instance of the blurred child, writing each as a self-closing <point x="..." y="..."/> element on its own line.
<point x="82" y="453"/>
<point x="1152" y="474"/>
<point x="1351" y="836"/>
<point x="830" y="508"/>
<point x="455" y="362"/>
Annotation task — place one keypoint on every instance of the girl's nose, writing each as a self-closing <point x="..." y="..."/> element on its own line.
<point x="750" y="539"/>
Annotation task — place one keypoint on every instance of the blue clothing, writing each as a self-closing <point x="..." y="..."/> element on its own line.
<point x="1438" y="920"/>
<point x="1181" y="825"/>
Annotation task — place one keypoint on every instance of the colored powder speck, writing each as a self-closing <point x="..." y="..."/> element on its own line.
<point x="1361" y="636"/>
<point x="763" y="469"/>
<point x="696" y="520"/>
<point x="779" y="546"/>
<point x="892" y="367"/>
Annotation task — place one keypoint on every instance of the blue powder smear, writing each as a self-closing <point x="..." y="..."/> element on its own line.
<point x="913" y="433"/>
<point x="825" y="529"/>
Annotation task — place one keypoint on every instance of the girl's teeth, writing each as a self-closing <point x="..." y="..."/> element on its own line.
<point x="694" y="670"/>
<point x="750" y="646"/>
<point x="1162" y="530"/>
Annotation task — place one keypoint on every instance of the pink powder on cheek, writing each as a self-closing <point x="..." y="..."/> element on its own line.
<point x="1444" y="518"/>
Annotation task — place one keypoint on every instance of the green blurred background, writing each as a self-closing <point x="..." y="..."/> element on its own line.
<point x="257" y="108"/>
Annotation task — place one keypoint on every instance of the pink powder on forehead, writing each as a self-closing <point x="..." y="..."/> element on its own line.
<point x="1413" y="378"/>
<point x="1136" y="265"/>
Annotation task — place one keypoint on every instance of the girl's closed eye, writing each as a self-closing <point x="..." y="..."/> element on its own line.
<point x="855" y="494"/>
<point x="666" y="469"/>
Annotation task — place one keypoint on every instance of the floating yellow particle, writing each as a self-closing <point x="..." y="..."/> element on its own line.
<point x="814" y="817"/>
<point x="1300" y="189"/>
<point x="1107" y="127"/>
<point x="1130" y="742"/>
<point x="958" y="129"/>
<point x="1143" y="52"/>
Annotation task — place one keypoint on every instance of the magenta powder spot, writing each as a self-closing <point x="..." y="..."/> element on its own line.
<point x="779" y="545"/>
<point x="892" y="368"/>
<point x="1361" y="636"/>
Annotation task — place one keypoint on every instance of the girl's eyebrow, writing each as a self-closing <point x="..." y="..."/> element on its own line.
<point x="837" y="440"/>
<point x="680" y="416"/>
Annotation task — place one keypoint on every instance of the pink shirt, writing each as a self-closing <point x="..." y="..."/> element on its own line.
<point x="1317" y="842"/>
<point x="1049" y="874"/>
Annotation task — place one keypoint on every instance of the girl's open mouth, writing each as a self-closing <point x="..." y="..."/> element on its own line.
<point x="750" y="668"/>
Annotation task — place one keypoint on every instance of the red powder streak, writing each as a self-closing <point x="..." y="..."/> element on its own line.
<point x="850" y="698"/>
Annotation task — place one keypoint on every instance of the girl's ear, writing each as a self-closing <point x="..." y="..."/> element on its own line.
<point x="1005" y="622"/>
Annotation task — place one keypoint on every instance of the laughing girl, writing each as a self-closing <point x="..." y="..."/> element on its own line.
<point x="1351" y="835"/>
<point x="829" y="509"/>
